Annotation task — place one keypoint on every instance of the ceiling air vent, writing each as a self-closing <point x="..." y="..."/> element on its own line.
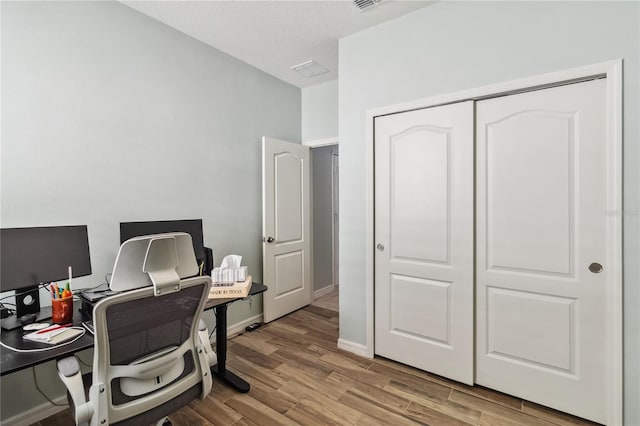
<point x="310" y="69"/>
<point x="365" y="4"/>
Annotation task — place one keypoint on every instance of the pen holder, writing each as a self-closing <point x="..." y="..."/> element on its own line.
<point x="62" y="310"/>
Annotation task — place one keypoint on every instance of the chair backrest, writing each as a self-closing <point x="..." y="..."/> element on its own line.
<point x="160" y="260"/>
<point x="148" y="359"/>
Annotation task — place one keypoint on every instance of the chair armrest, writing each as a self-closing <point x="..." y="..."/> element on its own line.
<point x="207" y="358"/>
<point x="203" y="333"/>
<point x="70" y="374"/>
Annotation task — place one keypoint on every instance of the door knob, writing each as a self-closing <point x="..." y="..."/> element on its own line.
<point x="380" y="247"/>
<point x="595" y="267"/>
<point x="270" y="239"/>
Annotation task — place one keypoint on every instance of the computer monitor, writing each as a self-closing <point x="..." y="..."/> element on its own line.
<point x="32" y="256"/>
<point x="192" y="227"/>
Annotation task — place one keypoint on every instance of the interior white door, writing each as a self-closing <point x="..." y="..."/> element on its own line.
<point x="541" y="245"/>
<point x="424" y="236"/>
<point x="286" y="228"/>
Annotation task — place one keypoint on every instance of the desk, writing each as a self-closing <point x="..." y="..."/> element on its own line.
<point x="12" y="361"/>
<point x="220" y="308"/>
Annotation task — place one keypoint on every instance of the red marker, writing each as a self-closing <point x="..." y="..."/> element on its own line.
<point x="47" y="330"/>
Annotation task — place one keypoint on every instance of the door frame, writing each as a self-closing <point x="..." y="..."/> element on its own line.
<point x="315" y="294"/>
<point x="335" y="208"/>
<point x="612" y="70"/>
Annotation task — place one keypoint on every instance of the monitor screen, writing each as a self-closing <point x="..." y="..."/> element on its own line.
<point x="30" y="256"/>
<point x="193" y="227"/>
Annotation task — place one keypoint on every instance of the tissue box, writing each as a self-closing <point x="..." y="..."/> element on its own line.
<point x="228" y="275"/>
<point x="227" y="291"/>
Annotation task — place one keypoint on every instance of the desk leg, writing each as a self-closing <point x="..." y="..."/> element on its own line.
<point x="220" y="370"/>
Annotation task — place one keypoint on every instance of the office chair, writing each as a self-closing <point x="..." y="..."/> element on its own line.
<point x="151" y="356"/>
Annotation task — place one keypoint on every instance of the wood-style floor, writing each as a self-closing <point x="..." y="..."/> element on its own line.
<point x="298" y="376"/>
<point x="328" y="300"/>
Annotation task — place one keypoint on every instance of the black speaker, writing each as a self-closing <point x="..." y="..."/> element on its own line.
<point x="208" y="261"/>
<point x="27" y="301"/>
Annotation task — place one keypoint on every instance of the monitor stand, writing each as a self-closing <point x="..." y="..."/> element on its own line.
<point x="13" y="321"/>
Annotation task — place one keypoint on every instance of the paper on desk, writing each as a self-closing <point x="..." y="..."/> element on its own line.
<point x="46" y="334"/>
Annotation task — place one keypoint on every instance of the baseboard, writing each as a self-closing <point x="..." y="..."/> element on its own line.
<point x="239" y="327"/>
<point x="323" y="291"/>
<point x="353" y="347"/>
<point x="36" y="414"/>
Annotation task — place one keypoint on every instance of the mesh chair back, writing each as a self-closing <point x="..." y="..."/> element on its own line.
<point x="146" y="359"/>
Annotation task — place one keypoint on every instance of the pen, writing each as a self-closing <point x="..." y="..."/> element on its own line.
<point x="47" y="330"/>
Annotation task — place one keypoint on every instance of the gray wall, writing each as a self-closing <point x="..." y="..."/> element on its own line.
<point x="452" y="46"/>
<point x="322" y="216"/>
<point x="110" y="116"/>
<point x="320" y="111"/>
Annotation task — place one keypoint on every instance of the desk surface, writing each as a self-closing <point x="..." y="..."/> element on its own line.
<point x="12" y="361"/>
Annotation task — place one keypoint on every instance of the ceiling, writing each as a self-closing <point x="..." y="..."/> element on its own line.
<point x="275" y="35"/>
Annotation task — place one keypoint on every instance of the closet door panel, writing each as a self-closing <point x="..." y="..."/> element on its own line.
<point x="419" y="192"/>
<point x="541" y="222"/>
<point x="424" y="236"/>
<point x="420" y="307"/>
<point x="548" y="341"/>
<point x="538" y="164"/>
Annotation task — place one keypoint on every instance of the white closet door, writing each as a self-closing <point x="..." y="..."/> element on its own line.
<point x="424" y="236"/>
<point x="541" y="236"/>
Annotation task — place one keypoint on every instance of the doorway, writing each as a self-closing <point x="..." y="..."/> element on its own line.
<point x="325" y="225"/>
